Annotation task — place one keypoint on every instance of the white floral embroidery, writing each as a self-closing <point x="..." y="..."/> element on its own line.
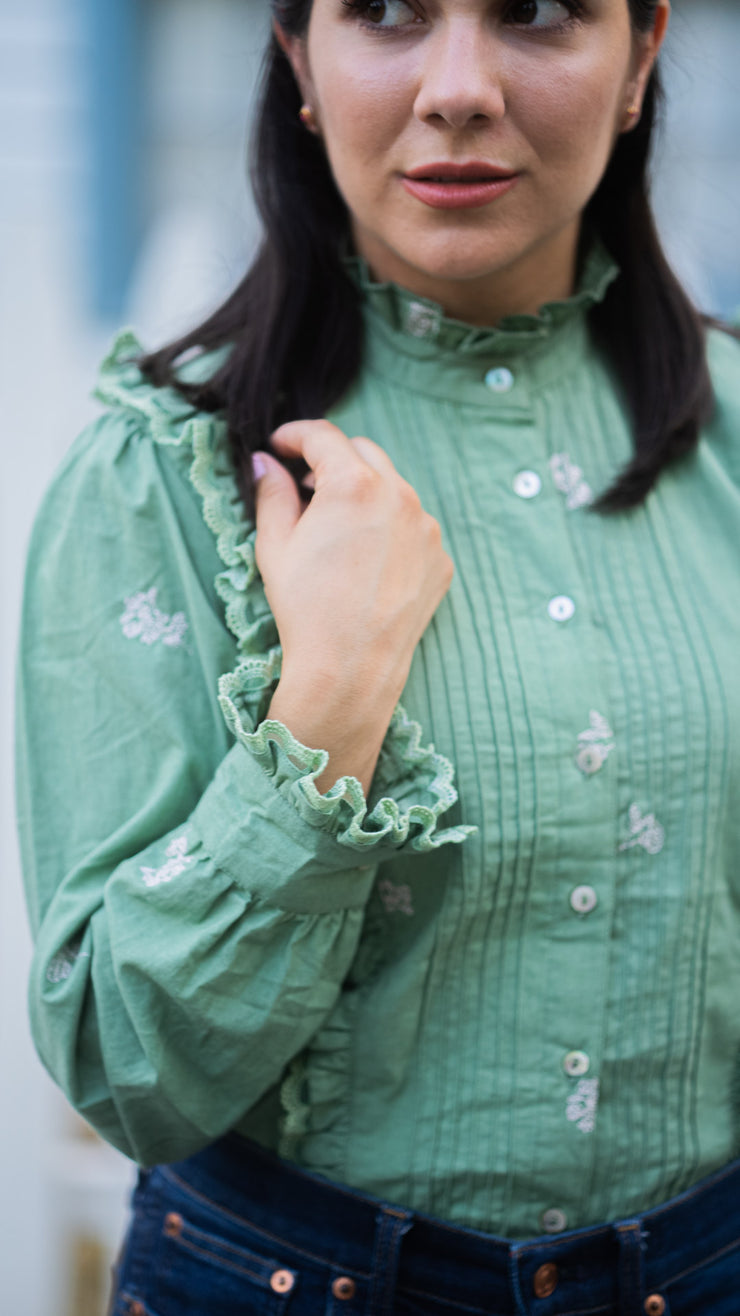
<point x="177" y="861"/>
<point x="582" y="1103"/>
<point x="62" y="964"/>
<point x="422" y="321"/>
<point x="142" y="620"/>
<point x="395" y="898"/>
<point x="568" y="478"/>
<point x="646" y="831"/>
<point x="594" y="745"/>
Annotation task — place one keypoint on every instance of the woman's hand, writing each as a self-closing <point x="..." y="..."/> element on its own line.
<point x="353" y="580"/>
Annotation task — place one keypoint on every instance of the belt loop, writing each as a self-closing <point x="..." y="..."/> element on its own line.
<point x="632" y="1247"/>
<point x="392" y="1223"/>
<point x="515" y="1279"/>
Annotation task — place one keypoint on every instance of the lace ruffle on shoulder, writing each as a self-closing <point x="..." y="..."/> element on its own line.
<point x="415" y="784"/>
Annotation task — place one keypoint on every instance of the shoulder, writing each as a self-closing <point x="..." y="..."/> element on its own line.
<point x="122" y="447"/>
<point x="130" y="481"/>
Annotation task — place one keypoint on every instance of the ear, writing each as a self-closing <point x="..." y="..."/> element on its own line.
<point x="648" y="48"/>
<point x="294" y="49"/>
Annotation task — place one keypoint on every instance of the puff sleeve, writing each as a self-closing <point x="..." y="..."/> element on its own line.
<point x="196" y="902"/>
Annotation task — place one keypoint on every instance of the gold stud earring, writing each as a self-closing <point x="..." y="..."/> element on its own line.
<point x="307" y="117"/>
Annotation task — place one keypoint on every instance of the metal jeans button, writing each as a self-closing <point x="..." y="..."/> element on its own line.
<point x="545" y="1280"/>
<point x="344" y="1287"/>
<point x="655" y="1305"/>
<point x="282" y="1281"/>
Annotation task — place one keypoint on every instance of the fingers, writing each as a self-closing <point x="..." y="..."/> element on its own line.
<point x="277" y="502"/>
<point x="374" y="456"/>
<point x="318" y="442"/>
<point x="325" y="448"/>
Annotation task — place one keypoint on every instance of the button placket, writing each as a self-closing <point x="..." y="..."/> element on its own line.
<point x="564" y="617"/>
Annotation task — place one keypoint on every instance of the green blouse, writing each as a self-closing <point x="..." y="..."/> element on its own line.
<point x="509" y="1000"/>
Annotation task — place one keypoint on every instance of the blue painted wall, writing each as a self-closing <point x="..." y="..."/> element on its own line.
<point x="117" y="122"/>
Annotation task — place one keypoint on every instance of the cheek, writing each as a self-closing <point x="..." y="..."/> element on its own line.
<point x="570" y="119"/>
<point x="365" y="115"/>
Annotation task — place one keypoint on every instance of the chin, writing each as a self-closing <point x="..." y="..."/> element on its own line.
<point x="456" y="265"/>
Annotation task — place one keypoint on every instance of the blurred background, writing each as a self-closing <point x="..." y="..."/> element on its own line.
<point x="124" y="201"/>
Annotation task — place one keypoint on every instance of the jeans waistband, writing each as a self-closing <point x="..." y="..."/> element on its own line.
<point x="449" y="1262"/>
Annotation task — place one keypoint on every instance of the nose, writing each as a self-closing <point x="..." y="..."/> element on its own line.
<point x="461" y="79"/>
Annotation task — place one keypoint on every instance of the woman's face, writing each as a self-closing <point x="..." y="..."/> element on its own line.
<point x="537" y="88"/>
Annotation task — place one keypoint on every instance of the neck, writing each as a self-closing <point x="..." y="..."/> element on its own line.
<point x="547" y="274"/>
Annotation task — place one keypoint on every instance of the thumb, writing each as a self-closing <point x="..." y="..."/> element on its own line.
<point x="278" y="505"/>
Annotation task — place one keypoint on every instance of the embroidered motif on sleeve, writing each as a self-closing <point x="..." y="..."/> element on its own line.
<point x="646" y="831"/>
<point x="397" y="899"/>
<point x="594" y="745"/>
<point x="177" y="861"/>
<point x="61" y="965"/>
<point x="568" y="478"/>
<point x="582" y="1103"/>
<point x="142" y="620"/>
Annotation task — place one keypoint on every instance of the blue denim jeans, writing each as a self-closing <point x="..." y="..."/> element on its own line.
<point x="234" y="1231"/>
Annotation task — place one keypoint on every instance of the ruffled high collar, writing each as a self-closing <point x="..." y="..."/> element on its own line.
<point x="422" y="321"/>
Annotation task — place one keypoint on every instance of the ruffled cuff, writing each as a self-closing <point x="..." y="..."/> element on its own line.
<point x="413" y="785"/>
<point x="416" y="782"/>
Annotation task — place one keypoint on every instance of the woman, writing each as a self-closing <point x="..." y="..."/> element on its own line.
<point x="380" y="1043"/>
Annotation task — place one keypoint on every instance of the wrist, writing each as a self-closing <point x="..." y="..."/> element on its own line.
<point x="334" y="716"/>
<point x="336" y="695"/>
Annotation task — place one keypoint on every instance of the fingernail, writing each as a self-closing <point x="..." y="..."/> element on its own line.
<point x="259" y="465"/>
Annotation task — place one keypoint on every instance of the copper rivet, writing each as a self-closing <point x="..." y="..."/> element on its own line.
<point x="344" y="1287"/>
<point x="282" y="1281"/>
<point x="136" y="1309"/>
<point x="545" y="1280"/>
<point x="655" y="1305"/>
<point x="173" y="1225"/>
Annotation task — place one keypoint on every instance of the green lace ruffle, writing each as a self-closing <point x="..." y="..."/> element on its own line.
<point x="415" y="317"/>
<point x="413" y="785"/>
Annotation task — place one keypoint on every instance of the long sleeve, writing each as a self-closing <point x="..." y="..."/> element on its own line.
<point x="196" y="903"/>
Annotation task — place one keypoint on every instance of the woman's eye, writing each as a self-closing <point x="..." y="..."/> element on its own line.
<point x="545" y="15"/>
<point x="384" y="13"/>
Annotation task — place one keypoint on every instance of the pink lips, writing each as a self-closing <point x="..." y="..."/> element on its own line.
<point x="447" y="186"/>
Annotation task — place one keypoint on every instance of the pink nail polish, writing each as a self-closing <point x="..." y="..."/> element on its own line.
<point x="259" y="465"/>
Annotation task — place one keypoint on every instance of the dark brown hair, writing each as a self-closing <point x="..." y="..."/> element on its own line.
<point x="295" y="323"/>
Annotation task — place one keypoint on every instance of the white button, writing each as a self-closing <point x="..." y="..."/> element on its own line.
<point x="576" y="1064"/>
<point x="500" y="380"/>
<point x="527" y="484"/>
<point x="554" y="1221"/>
<point x="591" y="758"/>
<point x="561" y="608"/>
<point x="583" y="899"/>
